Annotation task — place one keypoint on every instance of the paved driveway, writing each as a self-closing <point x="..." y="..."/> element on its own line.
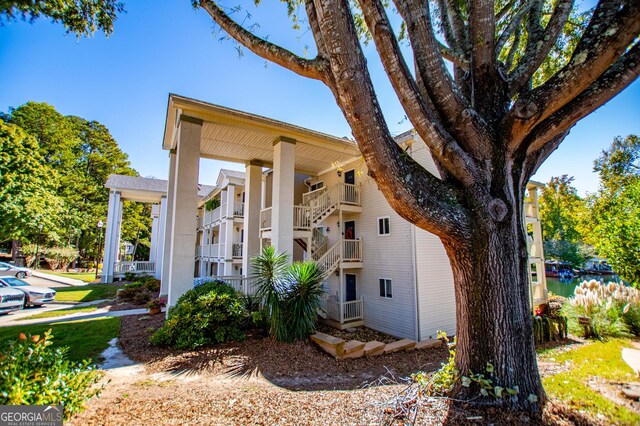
<point x="6" y="320"/>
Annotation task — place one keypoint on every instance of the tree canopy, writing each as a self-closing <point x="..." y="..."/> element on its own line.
<point x="81" y="17"/>
<point x="74" y="158"/>
<point x="27" y="187"/>
<point x="614" y="225"/>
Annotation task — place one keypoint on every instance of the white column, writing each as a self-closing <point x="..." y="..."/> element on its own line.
<point x="119" y="236"/>
<point x="161" y="228"/>
<point x="155" y="220"/>
<point x="110" y="239"/>
<point x="228" y="231"/>
<point x="252" y="204"/>
<point x="185" y="206"/>
<point x="284" y="157"/>
<point x="168" y="226"/>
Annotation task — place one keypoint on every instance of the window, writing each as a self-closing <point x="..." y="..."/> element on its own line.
<point x="316" y="186"/>
<point x="385" y="288"/>
<point x="383" y="226"/>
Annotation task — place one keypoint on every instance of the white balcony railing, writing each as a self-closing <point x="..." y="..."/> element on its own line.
<point x="308" y="196"/>
<point x="351" y="311"/>
<point x="265" y="219"/>
<point x="237" y="250"/>
<point x="301" y="217"/>
<point x="141" y="267"/>
<point x="214" y="251"/>
<point x="242" y="283"/>
<point x="351" y="251"/>
<point x="238" y="209"/>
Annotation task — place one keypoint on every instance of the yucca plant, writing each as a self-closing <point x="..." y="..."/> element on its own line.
<point x="303" y="299"/>
<point x="291" y="294"/>
<point x="270" y="267"/>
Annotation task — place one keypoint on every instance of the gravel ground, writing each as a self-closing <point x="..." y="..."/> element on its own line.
<point x="260" y="382"/>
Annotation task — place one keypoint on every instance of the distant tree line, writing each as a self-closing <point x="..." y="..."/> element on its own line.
<point x="607" y="222"/>
<point x="53" y="170"/>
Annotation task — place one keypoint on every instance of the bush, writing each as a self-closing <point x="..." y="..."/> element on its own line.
<point x="140" y="292"/>
<point x="210" y="313"/>
<point x="614" y="309"/>
<point x="152" y="284"/>
<point x="60" y="257"/>
<point x="33" y="373"/>
<point x="291" y="294"/>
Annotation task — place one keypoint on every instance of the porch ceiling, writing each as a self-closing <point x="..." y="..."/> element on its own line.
<point x="241" y="137"/>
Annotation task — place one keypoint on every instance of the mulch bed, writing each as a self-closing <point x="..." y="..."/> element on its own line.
<point x="295" y="366"/>
<point x="221" y="385"/>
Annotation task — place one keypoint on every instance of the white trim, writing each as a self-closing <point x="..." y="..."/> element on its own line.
<point x="388" y="226"/>
<point x="390" y="281"/>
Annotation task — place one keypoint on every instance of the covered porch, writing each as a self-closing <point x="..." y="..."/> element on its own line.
<point x="196" y="129"/>
<point x="138" y="189"/>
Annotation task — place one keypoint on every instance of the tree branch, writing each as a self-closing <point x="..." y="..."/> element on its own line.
<point x="539" y="45"/>
<point x="513" y="26"/>
<point x="314" y="68"/>
<point x="457" y="162"/>
<point x="413" y="192"/>
<point x="621" y="74"/>
<point x="457" y="24"/>
<point x="514" y="48"/>
<point x="447" y="29"/>
<point x="505" y="9"/>
<point x="449" y="54"/>
<point x="482" y="30"/>
<point x="600" y="47"/>
<point x="465" y="125"/>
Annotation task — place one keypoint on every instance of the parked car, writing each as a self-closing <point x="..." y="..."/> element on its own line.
<point x="36" y="296"/>
<point x="11" y="300"/>
<point x="7" y="269"/>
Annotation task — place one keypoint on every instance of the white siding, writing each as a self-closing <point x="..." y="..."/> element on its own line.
<point x="384" y="257"/>
<point x="436" y="295"/>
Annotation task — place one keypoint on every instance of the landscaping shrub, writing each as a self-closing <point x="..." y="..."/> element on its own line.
<point x="33" y="373"/>
<point x="614" y="309"/>
<point x="141" y="291"/>
<point x="291" y="295"/>
<point x="210" y="313"/>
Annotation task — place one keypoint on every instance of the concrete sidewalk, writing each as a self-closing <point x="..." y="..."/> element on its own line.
<point x="57" y="279"/>
<point x="79" y="316"/>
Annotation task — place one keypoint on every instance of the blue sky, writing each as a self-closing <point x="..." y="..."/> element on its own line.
<point x="167" y="47"/>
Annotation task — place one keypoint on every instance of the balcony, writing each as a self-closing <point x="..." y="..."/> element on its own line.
<point x="344" y="312"/>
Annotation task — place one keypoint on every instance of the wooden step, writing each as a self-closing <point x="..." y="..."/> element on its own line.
<point x="353" y="349"/>
<point x="400" y="345"/>
<point x="374" y="348"/>
<point x="429" y="343"/>
<point x="352" y="346"/>
<point x="331" y="345"/>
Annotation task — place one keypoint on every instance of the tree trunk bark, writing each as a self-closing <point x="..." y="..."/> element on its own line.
<point x="494" y="325"/>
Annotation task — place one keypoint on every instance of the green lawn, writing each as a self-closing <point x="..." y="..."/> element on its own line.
<point x="84" y="276"/>
<point x="602" y="360"/>
<point x="85" y="338"/>
<point x="60" y="313"/>
<point x="86" y="293"/>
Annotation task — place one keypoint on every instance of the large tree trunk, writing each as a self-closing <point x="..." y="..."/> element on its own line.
<point x="494" y="323"/>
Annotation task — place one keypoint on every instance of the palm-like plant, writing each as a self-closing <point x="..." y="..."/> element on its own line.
<point x="271" y="267"/>
<point x="291" y="295"/>
<point x="303" y="299"/>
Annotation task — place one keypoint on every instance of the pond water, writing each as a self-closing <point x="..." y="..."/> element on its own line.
<point x="565" y="288"/>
